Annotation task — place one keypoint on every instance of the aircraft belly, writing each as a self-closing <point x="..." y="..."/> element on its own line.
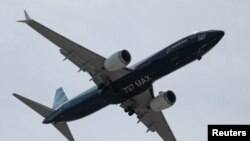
<point x="82" y="106"/>
<point x="142" y="78"/>
<point x="84" y="110"/>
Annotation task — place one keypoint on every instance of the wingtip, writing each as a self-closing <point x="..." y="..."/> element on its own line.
<point x="23" y="21"/>
<point x="27" y="18"/>
<point x="15" y="95"/>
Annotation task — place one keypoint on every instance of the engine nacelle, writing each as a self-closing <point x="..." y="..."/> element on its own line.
<point x="117" y="61"/>
<point x="163" y="101"/>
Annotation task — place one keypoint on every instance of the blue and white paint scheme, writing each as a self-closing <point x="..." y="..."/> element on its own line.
<point x="60" y="98"/>
<point x="131" y="87"/>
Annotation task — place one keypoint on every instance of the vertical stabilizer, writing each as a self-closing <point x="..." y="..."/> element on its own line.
<point x="60" y="98"/>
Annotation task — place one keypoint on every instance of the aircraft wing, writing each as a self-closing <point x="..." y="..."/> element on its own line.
<point x="154" y="121"/>
<point x="84" y="59"/>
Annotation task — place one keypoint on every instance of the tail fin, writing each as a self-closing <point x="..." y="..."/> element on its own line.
<point x="45" y="112"/>
<point x="60" y="98"/>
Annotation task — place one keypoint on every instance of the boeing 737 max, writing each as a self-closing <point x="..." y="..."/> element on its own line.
<point x="131" y="87"/>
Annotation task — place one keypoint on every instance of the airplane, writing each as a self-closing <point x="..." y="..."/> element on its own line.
<point x="116" y="83"/>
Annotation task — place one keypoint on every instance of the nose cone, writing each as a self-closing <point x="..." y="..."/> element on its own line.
<point x="218" y="34"/>
<point x="214" y="37"/>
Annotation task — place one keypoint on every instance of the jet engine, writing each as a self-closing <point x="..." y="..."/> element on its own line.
<point x="117" y="61"/>
<point x="163" y="101"/>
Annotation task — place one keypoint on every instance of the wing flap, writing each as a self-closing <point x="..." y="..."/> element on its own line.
<point x="78" y="60"/>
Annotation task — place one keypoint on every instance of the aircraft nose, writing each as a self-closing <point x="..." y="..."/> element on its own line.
<point x="214" y="37"/>
<point x="218" y="34"/>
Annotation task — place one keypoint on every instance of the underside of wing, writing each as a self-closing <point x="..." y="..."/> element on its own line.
<point x="83" y="58"/>
<point x="154" y="121"/>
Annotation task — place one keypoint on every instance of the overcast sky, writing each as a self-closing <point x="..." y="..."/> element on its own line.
<point x="214" y="90"/>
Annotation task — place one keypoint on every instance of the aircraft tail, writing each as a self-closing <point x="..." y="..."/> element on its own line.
<point x="39" y="108"/>
<point x="45" y="112"/>
<point x="63" y="128"/>
<point x="60" y="98"/>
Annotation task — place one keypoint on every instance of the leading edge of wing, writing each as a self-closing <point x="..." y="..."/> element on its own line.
<point x="52" y="36"/>
<point x="83" y="58"/>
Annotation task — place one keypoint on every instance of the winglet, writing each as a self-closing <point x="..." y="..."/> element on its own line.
<point x="27" y="15"/>
<point x="27" y="18"/>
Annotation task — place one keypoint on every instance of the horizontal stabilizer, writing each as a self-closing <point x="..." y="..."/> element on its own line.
<point x="64" y="129"/>
<point x="45" y="112"/>
<point x="39" y="108"/>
